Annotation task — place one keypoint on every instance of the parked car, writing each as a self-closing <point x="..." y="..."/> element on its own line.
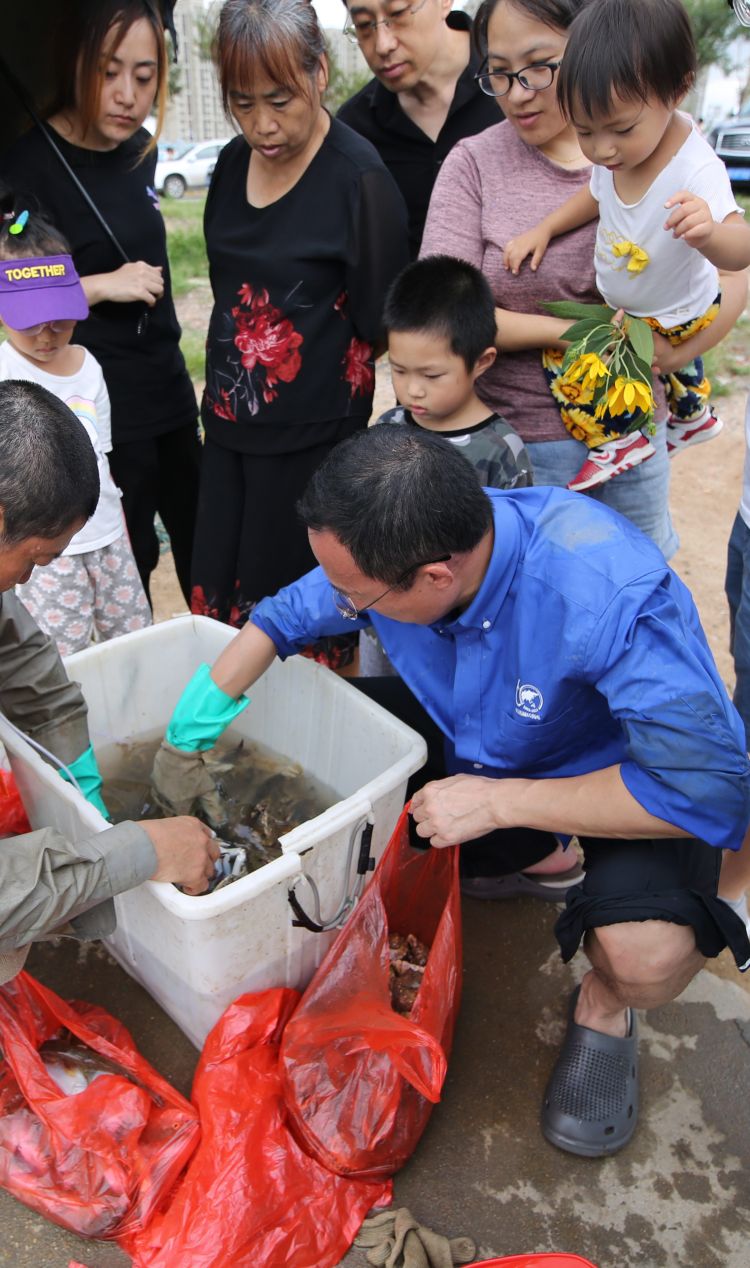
<point x="731" y="140"/>
<point x="191" y="170"/>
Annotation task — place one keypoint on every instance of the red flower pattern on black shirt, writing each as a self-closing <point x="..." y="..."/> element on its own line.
<point x="269" y="353"/>
<point x="359" y="371"/>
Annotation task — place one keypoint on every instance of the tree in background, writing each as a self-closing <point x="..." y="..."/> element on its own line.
<point x="174" y="81"/>
<point x="205" y="30"/>
<point x="340" y="85"/>
<point x="716" y="30"/>
<point x="715" y="27"/>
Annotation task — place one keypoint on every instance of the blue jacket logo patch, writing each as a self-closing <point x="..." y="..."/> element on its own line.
<point x="529" y="700"/>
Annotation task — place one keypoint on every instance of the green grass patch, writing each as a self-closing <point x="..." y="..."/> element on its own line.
<point x="187" y="249"/>
<point x="729" y="361"/>
<point x="193" y="345"/>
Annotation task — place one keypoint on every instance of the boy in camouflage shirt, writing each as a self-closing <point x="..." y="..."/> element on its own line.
<point x="440" y="321"/>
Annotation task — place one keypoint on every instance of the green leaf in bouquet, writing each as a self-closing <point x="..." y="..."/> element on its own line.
<point x="645" y="370"/>
<point x="600" y="341"/>
<point x="582" y="329"/>
<point x="642" y="339"/>
<point x="635" y="367"/>
<point x="568" y="308"/>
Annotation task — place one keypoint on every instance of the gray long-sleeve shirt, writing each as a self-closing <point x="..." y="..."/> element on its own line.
<point x="48" y="884"/>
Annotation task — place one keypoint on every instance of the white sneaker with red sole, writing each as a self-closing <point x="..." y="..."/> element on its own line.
<point x="612" y="459"/>
<point x="682" y="435"/>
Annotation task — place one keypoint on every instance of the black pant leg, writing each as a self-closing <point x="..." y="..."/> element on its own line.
<point x="179" y="460"/>
<point x="135" y="470"/>
<point x="218" y="531"/>
<point x="497" y="854"/>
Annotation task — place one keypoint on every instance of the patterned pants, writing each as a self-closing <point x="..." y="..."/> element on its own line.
<point x="97" y="591"/>
<point x="687" y="390"/>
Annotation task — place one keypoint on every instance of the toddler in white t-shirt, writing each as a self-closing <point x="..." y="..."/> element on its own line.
<point x="627" y="65"/>
<point x="93" y="588"/>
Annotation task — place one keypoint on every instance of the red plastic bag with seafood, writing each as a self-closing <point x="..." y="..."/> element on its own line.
<point x="252" y="1197"/>
<point x="360" y="1079"/>
<point x="90" y="1135"/>
<point x="13" y="821"/>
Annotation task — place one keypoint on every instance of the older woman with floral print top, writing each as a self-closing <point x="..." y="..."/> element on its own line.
<point x="305" y="229"/>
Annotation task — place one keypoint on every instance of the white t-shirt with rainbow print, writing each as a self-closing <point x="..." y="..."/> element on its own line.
<point x="85" y="393"/>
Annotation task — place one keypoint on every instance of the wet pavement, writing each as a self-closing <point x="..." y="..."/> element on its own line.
<point x="677" y="1196"/>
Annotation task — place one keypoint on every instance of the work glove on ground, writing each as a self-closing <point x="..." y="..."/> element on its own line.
<point x="184" y="776"/>
<point x="86" y="773"/>
<point x="394" y="1239"/>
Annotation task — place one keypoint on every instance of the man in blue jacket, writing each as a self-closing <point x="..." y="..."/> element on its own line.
<point x="566" y="668"/>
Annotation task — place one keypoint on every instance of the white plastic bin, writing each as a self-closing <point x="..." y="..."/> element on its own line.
<point x="196" y="954"/>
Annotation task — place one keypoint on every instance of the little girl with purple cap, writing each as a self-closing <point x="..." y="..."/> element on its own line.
<point x="93" y="589"/>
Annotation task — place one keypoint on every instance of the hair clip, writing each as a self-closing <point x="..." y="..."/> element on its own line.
<point x="20" y="223"/>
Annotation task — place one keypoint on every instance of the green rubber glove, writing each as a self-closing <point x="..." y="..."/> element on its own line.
<point x="202" y="713"/>
<point x="88" y="778"/>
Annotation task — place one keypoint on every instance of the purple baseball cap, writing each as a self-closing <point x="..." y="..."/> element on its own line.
<point x="45" y="288"/>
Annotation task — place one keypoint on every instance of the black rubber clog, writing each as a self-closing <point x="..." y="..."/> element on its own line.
<point x="590" y="1106"/>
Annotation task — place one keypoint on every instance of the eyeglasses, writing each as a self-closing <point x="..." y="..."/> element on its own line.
<point x="346" y="608"/>
<point x="57" y="327"/>
<point x="361" y="31"/>
<point x="498" y="83"/>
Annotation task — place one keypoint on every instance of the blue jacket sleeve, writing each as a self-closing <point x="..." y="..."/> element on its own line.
<point x="301" y="613"/>
<point x="686" y="759"/>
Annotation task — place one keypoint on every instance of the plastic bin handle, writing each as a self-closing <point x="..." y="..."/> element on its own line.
<point x="365" y="864"/>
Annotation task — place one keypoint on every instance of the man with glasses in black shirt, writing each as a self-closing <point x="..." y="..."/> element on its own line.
<point x="424" y="96"/>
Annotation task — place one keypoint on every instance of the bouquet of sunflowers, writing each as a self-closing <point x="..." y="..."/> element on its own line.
<point x="607" y="367"/>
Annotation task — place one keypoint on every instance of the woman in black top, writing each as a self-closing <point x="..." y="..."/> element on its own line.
<point x="305" y="229"/>
<point x="113" y="70"/>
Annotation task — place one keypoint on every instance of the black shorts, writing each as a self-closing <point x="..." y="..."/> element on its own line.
<point x="672" y="879"/>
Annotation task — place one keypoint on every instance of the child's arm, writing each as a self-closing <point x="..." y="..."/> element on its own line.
<point x="734" y="288"/>
<point x="524" y="332"/>
<point x="726" y="243"/>
<point x="577" y="211"/>
<point x="521" y="332"/>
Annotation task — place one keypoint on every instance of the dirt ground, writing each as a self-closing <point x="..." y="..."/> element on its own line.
<point x="705" y="493"/>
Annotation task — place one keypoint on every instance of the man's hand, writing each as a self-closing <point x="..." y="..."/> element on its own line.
<point x="460" y="808"/>
<point x="186" y="852"/>
<point x="534" y="243"/>
<point x="692" y="219"/>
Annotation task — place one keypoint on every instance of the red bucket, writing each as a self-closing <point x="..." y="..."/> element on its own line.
<point x="551" y="1260"/>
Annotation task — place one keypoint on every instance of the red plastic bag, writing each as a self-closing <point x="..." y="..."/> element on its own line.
<point x="100" y="1160"/>
<point x="551" y="1259"/>
<point x="13" y="820"/>
<point x="359" y="1079"/>
<point x="251" y="1197"/>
